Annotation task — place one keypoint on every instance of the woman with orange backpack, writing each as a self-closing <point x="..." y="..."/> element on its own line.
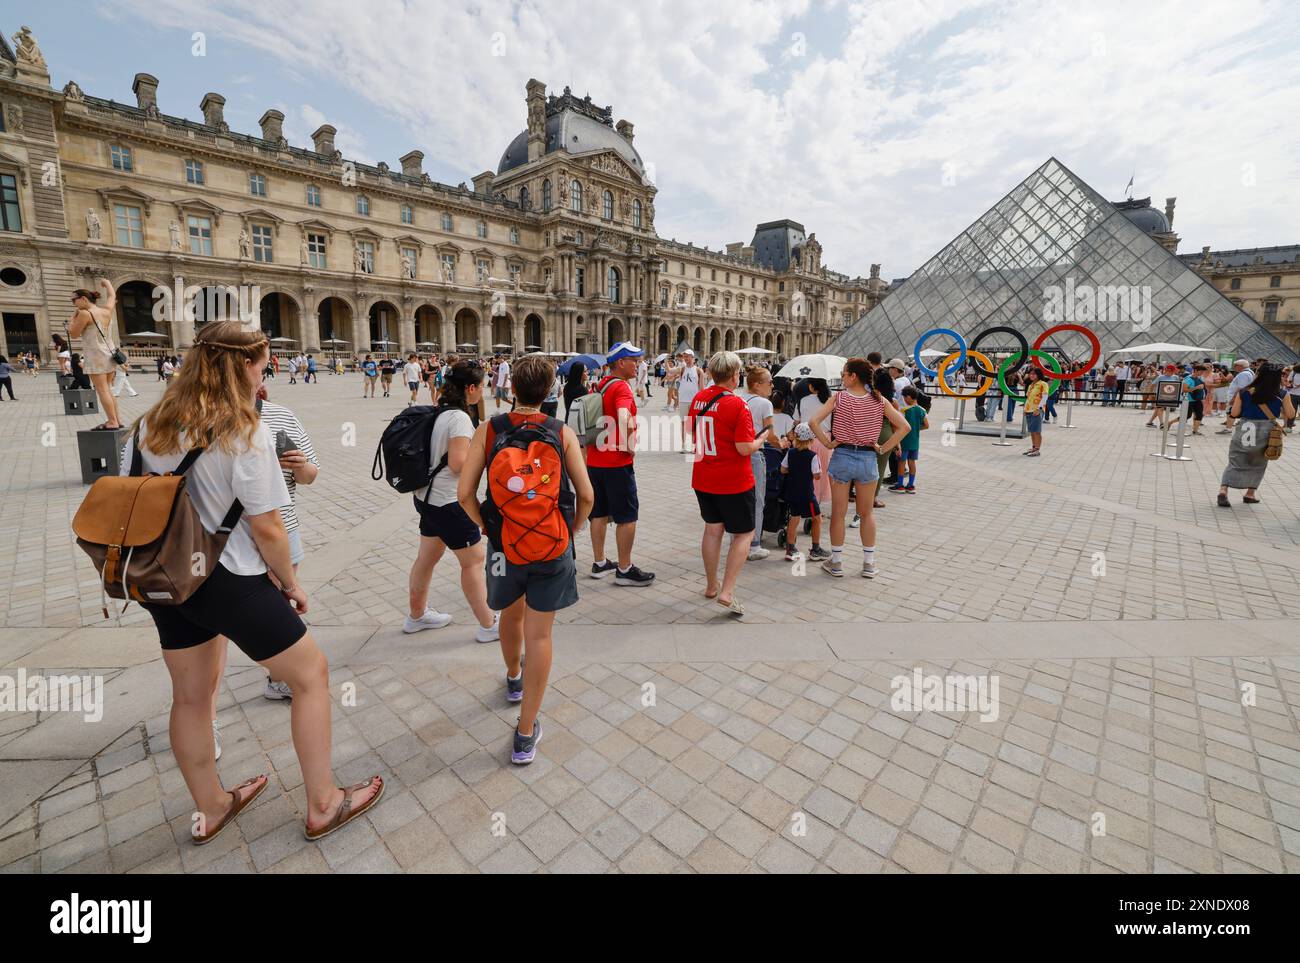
<point x="529" y="517"/>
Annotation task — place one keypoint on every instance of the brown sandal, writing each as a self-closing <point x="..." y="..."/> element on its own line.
<point x="345" y="811"/>
<point x="237" y="806"/>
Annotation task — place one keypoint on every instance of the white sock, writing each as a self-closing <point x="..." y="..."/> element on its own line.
<point x="868" y="554"/>
<point x="515" y="678"/>
<point x="837" y="554"/>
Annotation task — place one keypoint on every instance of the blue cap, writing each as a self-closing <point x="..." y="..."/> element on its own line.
<point x="624" y="349"/>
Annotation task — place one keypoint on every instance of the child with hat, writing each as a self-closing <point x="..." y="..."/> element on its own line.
<point x="800" y="470"/>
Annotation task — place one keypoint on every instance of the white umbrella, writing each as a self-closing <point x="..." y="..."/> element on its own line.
<point x="934" y="353"/>
<point x="754" y="351"/>
<point x="661" y="357"/>
<point x="1161" y="347"/>
<point x="826" y="366"/>
<point x="150" y="335"/>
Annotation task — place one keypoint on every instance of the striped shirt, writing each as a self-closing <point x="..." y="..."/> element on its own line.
<point x="857" y="419"/>
<point x="279" y="418"/>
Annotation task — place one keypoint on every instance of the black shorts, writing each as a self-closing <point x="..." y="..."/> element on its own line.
<point x="247" y="609"/>
<point x="449" y="523"/>
<point x="616" y="496"/>
<point x="1196" y="410"/>
<point x="735" y="512"/>
<point x="546" y="586"/>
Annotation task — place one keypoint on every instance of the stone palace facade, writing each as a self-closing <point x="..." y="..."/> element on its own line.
<point x="555" y="250"/>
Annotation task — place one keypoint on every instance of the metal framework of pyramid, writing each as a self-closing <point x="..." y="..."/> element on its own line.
<point x="1053" y="229"/>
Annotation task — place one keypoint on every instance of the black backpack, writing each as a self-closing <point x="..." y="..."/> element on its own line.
<point x="402" y="457"/>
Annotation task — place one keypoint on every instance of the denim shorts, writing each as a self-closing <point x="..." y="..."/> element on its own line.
<point x="853" y="466"/>
<point x="1034" y="423"/>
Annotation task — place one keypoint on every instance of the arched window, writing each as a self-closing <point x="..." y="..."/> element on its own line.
<point x="523" y="198"/>
<point x="608" y="206"/>
<point x="546" y="195"/>
<point x="615" y="296"/>
<point x="636" y="213"/>
<point x="575" y="196"/>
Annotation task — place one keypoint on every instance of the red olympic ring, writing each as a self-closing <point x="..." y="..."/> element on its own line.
<point x="1079" y="372"/>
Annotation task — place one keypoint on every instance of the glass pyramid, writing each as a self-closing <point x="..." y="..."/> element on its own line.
<point x="1052" y="234"/>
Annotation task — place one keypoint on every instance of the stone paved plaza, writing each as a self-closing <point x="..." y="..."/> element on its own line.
<point x="1122" y="613"/>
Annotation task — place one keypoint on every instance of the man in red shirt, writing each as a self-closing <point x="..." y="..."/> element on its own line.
<point x="609" y="464"/>
<point x="721" y="477"/>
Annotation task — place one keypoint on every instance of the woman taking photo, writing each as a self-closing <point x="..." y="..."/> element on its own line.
<point x="210" y="407"/>
<point x="859" y="412"/>
<point x="443" y="523"/>
<point x="1258" y="405"/>
<point x="92" y="322"/>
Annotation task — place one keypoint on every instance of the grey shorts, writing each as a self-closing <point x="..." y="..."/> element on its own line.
<point x="548" y="586"/>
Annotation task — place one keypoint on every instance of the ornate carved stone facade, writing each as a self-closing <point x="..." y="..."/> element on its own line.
<point x="555" y="250"/>
<point x="1263" y="281"/>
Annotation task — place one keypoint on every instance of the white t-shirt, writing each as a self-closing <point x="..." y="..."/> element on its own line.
<point x="760" y="408"/>
<point x="1122" y="373"/>
<point x="503" y="374"/>
<point x="411" y="372"/>
<point x="452" y="423"/>
<point x="808" y="406"/>
<point x="899" y="385"/>
<point x="783" y="423"/>
<point x="216" y="479"/>
<point x="1242" y="380"/>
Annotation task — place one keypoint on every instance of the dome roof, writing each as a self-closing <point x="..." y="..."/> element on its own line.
<point x="576" y="133"/>
<point x="1148" y="219"/>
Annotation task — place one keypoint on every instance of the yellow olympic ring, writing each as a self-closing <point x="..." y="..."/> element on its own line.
<point x="978" y="356"/>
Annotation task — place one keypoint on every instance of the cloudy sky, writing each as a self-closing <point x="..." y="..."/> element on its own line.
<point x="884" y="127"/>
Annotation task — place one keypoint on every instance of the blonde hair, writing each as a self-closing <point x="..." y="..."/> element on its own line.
<point x="756" y="374"/>
<point x="724" y="366"/>
<point x="209" y="398"/>
<point x="802" y="443"/>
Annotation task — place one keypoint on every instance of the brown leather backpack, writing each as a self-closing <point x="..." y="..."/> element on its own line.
<point x="145" y="536"/>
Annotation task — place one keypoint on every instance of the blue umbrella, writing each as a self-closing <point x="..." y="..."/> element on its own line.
<point x="591" y="361"/>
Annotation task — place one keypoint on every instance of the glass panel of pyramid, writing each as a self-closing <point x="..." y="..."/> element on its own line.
<point x="1013" y="265"/>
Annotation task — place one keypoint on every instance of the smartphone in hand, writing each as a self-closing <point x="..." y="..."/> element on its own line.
<point x="282" y="443"/>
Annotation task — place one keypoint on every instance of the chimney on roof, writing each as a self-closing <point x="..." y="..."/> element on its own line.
<point x="483" y="183"/>
<point x="145" y="89"/>
<point x="536" y="100"/>
<point x="323" y="139"/>
<point x="412" y="163"/>
<point x="1169" y="210"/>
<point x="624" y="127"/>
<point x="734" y="246"/>
<point x="214" y="110"/>
<point x="272" y="124"/>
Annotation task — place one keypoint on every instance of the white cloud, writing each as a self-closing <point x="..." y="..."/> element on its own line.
<point x="852" y="138"/>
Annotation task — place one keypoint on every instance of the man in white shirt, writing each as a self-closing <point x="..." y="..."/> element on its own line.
<point x="642" y="379"/>
<point x="1122" y="374"/>
<point x="411" y="374"/>
<point x="501" y="383"/>
<point x="901" y="380"/>
<point x="689" y="383"/>
<point x="1243" y="377"/>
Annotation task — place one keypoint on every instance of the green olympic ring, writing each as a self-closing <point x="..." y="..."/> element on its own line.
<point x="1034" y="353"/>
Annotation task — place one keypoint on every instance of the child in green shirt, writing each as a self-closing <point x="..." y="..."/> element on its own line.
<point x="918" y="420"/>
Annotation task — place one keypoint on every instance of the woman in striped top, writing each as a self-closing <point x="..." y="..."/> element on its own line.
<point x="858" y="412"/>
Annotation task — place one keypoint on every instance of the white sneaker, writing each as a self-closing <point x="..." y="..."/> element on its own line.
<point x="277" y="690"/>
<point x="756" y="554"/>
<point x="429" y="620"/>
<point x="492" y="633"/>
<point x="857" y="521"/>
<point x="216" y="739"/>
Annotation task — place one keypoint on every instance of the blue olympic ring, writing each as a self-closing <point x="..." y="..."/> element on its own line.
<point x="920" y="343"/>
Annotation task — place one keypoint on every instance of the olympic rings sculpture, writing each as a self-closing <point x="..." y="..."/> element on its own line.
<point x="989" y="373"/>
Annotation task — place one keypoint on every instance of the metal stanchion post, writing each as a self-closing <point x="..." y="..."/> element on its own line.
<point x="1002" y="426"/>
<point x="1182" y="426"/>
<point x="1069" y="412"/>
<point x="1164" y="436"/>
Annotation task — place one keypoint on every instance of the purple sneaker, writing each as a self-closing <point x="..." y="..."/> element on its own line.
<point x="525" y="748"/>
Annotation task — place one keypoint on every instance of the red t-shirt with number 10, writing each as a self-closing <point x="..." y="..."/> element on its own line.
<point x="719" y="468"/>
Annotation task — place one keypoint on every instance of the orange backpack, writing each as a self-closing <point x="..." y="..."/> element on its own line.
<point x="529" y="508"/>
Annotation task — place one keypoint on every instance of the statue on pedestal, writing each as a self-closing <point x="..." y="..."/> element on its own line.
<point x="94" y="229"/>
<point x="244" y="244"/>
<point x="27" y="49"/>
<point x="174" y="230"/>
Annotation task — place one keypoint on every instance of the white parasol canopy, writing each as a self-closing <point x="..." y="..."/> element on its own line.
<point x="825" y="366"/>
<point x="1161" y="347"/>
<point x="754" y="351"/>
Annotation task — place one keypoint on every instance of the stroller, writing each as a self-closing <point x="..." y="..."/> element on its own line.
<point x="776" y="513"/>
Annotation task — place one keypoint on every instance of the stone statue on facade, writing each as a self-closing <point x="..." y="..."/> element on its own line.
<point x="244" y="244"/>
<point x="27" y="49"/>
<point x="448" y="272"/>
<point x="303" y="253"/>
<point x="72" y="92"/>
<point x="94" y="229"/>
<point x="408" y="267"/>
<point x="482" y="274"/>
<point x="174" y="231"/>
<point x="550" y="282"/>
<point x="358" y="258"/>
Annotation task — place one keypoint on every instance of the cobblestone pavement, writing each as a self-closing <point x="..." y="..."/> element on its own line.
<point x="1142" y="640"/>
